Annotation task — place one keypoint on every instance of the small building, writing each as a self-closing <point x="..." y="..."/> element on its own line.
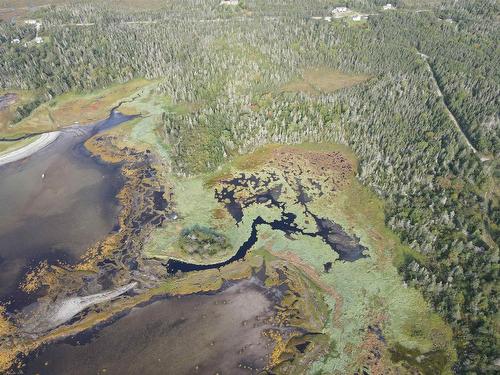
<point x="15" y="41"/>
<point x="388" y="6"/>
<point x="356" y="18"/>
<point x="38" y="40"/>
<point x="339" y="10"/>
<point x="30" y="22"/>
<point x="229" y="2"/>
<point x="328" y="19"/>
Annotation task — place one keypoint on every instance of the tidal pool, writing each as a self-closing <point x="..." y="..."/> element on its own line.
<point x="54" y="205"/>
<point x="196" y="334"/>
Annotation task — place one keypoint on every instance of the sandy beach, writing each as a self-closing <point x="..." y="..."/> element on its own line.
<point x="43" y="141"/>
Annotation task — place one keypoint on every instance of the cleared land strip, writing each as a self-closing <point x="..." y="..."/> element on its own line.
<point x="43" y="141"/>
<point x="450" y="114"/>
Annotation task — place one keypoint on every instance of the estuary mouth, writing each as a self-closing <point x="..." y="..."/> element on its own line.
<point x="54" y="206"/>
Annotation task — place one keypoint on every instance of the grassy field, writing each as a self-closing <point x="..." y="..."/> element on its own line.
<point x="71" y="108"/>
<point x="323" y="80"/>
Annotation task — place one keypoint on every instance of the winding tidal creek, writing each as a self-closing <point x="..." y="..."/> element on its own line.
<point x="54" y="204"/>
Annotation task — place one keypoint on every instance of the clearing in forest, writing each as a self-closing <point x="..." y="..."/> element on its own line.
<point x="323" y="80"/>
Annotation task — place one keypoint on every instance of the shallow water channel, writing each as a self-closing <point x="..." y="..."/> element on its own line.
<point x="196" y="334"/>
<point x="55" y="204"/>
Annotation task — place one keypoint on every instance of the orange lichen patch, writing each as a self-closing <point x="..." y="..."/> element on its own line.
<point x="6" y="326"/>
<point x="279" y="347"/>
<point x="195" y="282"/>
<point x="32" y="280"/>
<point x="100" y="146"/>
<point x="7" y="358"/>
<point x="43" y="274"/>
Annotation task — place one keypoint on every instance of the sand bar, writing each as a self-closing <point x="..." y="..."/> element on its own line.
<point x="43" y="141"/>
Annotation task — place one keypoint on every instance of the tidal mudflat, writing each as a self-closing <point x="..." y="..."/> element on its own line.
<point x="202" y="333"/>
<point x="54" y="204"/>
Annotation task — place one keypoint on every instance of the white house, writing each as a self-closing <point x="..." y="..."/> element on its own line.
<point x="15" y="41"/>
<point x="388" y="7"/>
<point x="338" y="10"/>
<point x="38" y="40"/>
<point x="356" y="18"/>
<point x="229" y="2"/>
<point x="30" y="22"/>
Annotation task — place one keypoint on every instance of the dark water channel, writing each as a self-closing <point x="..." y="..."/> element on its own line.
<point x="54" y="205"/>
<point x="346" y="246"/>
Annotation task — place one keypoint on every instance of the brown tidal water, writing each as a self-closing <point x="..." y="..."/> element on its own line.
<point x="197" y="334"/>
<point x="59" y="216"/>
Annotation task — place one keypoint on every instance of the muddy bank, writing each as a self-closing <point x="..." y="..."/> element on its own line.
<point x="218" y="333"/>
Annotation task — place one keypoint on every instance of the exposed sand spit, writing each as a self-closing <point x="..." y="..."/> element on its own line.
<point x="43" y="141"/>
<point x="46" y="316"/>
